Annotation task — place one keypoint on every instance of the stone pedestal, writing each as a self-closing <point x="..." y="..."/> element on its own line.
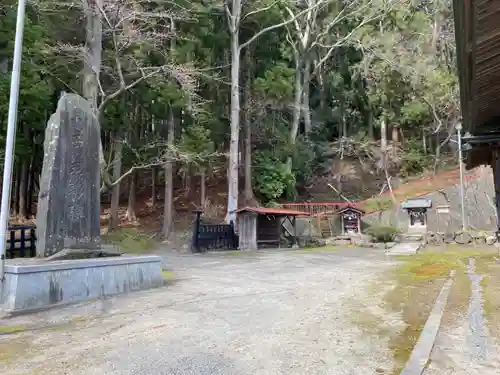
<point x="35" y="284"/>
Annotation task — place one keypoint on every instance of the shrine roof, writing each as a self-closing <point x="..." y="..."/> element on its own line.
<point x="272" y="211"/>
<point x="417" y="203"/>
<point x="350" y="208"/>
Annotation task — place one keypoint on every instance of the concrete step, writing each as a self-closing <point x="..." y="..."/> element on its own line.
<point x="407" y="248"/>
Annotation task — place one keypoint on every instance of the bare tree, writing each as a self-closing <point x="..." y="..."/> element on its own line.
<point x="126" y="24"/>
<point x="235" y="15"/>
<point x="315" y="37"/>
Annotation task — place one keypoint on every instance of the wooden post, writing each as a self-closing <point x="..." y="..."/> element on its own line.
<point x="495" y="164"/>
<point x="247" y="225"/>
<point x="196" y="231"/>
<point x="294" y="224"/>
<point x="280" y="227"/>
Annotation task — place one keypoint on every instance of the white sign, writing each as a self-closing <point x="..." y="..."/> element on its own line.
<point x="443" y="209"/>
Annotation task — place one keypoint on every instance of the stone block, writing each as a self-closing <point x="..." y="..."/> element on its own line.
<point x="404" y="249"/>
<point x="490" y="240"/>
<point x="68" y="213"/>
<point x="342" y="242"/>
<point x="40" y="284"/>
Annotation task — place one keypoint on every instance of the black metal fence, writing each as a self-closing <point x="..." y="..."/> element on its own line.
<point x="213" y="236"/>
<point x="21" y="242"/>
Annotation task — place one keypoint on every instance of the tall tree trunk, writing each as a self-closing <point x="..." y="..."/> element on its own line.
<point x="131" y="215"/>
<point x="23" y="188"/>
<point x="383" y="136"/>
<point x="187" y="180"/>
<point x="93" y="44"/>
<point x="134" y="137"/>
<point x="322" y="94"/>
<point x="115" y="194"/>
<point x="424" y="142"/>
<point x="153" y="186"/>
<point x="31" y="179"/>
<point x="369" y="119"/>
<point x="203" y="194"/>
<point x="168" y="209"/>
<point x="247" y="119"/>
<point x="93" y="61"/>
<point x="296" y="108"/>
<point x="15" y="189"/>
<point x="342" y="115"/>
<point x="25" y="171"/>
<point x="395" y="134"/>
<point x="232" y="196"/>
<point x="306" y="109"/>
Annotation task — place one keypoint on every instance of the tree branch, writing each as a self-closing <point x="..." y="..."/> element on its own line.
<point x="123" y="89"/>
<point x="253" y="12"/>
<point x="277" y="26"/>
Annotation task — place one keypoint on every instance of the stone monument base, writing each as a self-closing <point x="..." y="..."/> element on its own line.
<point x="34" y="284"/>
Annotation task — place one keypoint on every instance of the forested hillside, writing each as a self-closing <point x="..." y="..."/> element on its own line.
<point x="267" y="99"/>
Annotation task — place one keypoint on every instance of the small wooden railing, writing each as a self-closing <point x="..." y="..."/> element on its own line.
<point x="21" y="241"/>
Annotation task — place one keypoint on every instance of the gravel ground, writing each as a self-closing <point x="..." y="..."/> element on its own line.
<point x="272" y="313"/>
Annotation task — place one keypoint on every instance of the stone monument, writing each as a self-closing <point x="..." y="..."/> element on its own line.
<point x="68" y="213"/>
<point x="68" y="225"/>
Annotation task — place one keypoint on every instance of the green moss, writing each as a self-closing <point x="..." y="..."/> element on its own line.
<point x="130" y="241"/>
<point x="321" y="249"/>
<point x="418" y="280"/>
<point x="168" y="275"/>
<point x="240" y="253"/>
<point x="490" y="283"/>
<point x="11" y="329"/>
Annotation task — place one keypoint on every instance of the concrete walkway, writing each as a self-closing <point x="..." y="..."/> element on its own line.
<point x="465" y="347"/>
<point x="262" y="314"/>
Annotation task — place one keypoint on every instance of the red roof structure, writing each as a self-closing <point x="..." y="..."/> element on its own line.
<point x="272" y="211"/>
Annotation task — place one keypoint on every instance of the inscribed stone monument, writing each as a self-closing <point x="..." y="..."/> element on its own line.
<point x="68" y="214"/>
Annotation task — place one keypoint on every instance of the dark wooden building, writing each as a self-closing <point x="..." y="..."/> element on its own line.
<point x="477" y="37"/>
<point x="264" y="227"/>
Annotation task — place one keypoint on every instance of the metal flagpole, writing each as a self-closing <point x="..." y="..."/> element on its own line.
<point x="458" y="127"/>
<point x="11" y="133"/>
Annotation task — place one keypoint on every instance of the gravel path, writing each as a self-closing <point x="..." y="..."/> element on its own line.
<point x="278" y="313"/>
<point x="465" y="346"/>
<point x="477" y="339"/>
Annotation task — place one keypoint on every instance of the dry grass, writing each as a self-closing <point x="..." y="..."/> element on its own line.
<point x="130" y="241"/>
<point x="12" y="349"/>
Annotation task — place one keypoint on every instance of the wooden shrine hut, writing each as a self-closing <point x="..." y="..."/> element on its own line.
<point x="350" y="220"/>
<point x="263" y="227"/>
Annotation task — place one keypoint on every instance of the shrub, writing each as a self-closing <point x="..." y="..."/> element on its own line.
<point x="382" y="233"/>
